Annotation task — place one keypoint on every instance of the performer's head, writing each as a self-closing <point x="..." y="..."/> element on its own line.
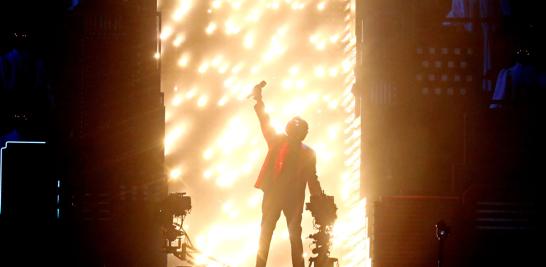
<point x="297" y="129"/>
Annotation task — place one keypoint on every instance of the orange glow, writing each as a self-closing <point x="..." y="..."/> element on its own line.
<point x="220" y="49"/>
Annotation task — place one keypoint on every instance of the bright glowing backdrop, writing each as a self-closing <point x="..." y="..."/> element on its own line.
<point x="213" y="53"/>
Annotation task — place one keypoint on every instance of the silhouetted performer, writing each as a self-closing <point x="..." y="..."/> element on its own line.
<point x="288" y="167"/>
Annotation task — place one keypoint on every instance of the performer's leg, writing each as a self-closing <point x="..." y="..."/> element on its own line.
<point x="271" y="211"/>
<point x="292" y="211"/>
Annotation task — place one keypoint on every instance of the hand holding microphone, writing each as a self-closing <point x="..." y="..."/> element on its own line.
<point x="257" y="91"/>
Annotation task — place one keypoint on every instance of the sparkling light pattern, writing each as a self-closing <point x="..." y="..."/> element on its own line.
<point x="213" y="53"/>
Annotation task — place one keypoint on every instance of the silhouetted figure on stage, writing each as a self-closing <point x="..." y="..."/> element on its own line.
<point x="288" y="167"/>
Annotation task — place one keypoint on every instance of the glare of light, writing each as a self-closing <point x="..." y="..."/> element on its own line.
<point x="202" y="101"/>
<point x="294" y="70"/>
<point x="207" y="155"/>
<point x="231" y="27"/>
<point x="216" y="4"/>
<point x="222" y="69"/>
<point x="238" y="147"/>
<point x="182" y="10"/>
<point x="175" y="174"/>
<point x="269" y="109"/>
<point x="179" y="39"/>
<point x="236" y="5"/>
<point x="321" y="45"/>
<point x="247" y="168"/>
<point x="191" y="93"/>
<point x="313" y="39"/>
<point x="228" y="83"/>
<point x="248" y="41"/>
<point x="244" y="92"/>
<point x="320" y="71"/>
<point x="333" y="72"/>
<point x="216" y="61"/>
<point x="227" y="206"/>
<point x="203" y="68"/>
<point x="255" y="199"/>
<point x="321" y="6"/>
<point x="184" y="60"/>
<point x="211" y="28"/>
<point x="207" y="174"/>
<point x="285" y="235"/>
<point x="333" y="131"/>
<point x="278" y="126"/>
<point x="287" y="84"/>
<point x="275" y="5"/>
<point x="347" y="66"/>
<point x="172" y="137"/>
<point x="275" y="50"/>
<point x="296" y="5"/>
<point x="233" y="214"/>
<point x="295" y="108"/>
<point x="332" y="104"/>
<point x="201" y="259"/>
<point x="157" y="55"/>
<point x="237" y="68"/>
<point x="254" y="69"/>
<point x="226" y="179"/>
<point x="282" y="30"/>
<point x="254" y="15"/>
<point x="166" y="32"/>
<point x="334" y="38"/>
<point x="300" y="84"/>
<point x="222" y="102"/>
<point x="177" y="99"/>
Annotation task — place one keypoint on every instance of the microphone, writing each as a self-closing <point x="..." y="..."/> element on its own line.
<point x="259" y="86"/>
<point x="257" y="91"/>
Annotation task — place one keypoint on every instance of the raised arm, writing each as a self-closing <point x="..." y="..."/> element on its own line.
<point x="265" y="123"/>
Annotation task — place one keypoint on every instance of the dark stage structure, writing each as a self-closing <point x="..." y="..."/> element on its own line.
<point x="449" y="94"/>
<point x="82" y="108"/>
<point x="443" y="142"/>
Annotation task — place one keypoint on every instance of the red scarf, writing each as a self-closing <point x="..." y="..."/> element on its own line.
<point x="280" y="158"/>
<point x="278" y="164"/>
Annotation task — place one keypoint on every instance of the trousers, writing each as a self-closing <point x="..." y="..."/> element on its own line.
<point x="292" y="207"/>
